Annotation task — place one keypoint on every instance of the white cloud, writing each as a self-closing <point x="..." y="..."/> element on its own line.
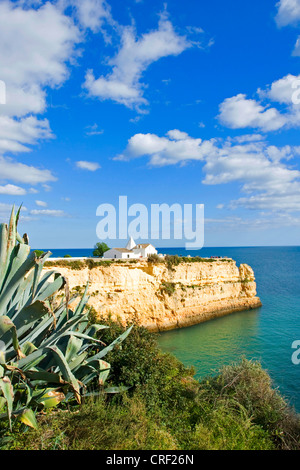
<point x="12" y="190"/>
<point x="264" y="222"/>
<point x="41" y="203"/>
<point x="94" y="130"/>
<point x="19" y="172"/>
<point x="239" y="112"/>
<point x="241" y="139"/>
<point x="91" y="14"/>
<point x="296" y="51"/>
<point x="260" y="168"/>
<point x="49" y="212"/>
<point x="273" y="202"/>
<point x="282" y="90"/>
<point x="175" y="134"/>
<point x="37" y="42"/>
<point x="17" y="134"/>
<point x="35" y="46"/>
<point x="33" y="191"/>
<point x="123" y="84"/>
<point x="177" y="147"/>
<point x="251" y="164"/>
<point x="5" y="211"/>
<point x="288" y="12"/>
<point x="90" y="166"/>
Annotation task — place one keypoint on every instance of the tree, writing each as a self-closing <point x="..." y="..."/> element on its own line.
<point x="38" y="253"/>
<point x="100" y="248"/>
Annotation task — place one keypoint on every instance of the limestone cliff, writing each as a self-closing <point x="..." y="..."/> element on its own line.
<point x="161" y="298"/>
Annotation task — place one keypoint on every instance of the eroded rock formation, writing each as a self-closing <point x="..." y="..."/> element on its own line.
<point x="161" y="298"/>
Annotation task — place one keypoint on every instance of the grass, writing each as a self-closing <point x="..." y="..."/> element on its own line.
<point x="170" y="261"/>
<point x="166" y="408"/>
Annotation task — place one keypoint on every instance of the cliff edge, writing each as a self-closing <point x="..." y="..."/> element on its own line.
<point x="161" y="297"/>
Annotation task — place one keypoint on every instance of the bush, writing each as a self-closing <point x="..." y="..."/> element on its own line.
<point x="248" y="387"/>
<point x="168" y="288"/>
<point x="100" y="249"/>
<point x="76" y="264"/>
<point x="166" y="408"/>
<point x="172" y="260"/>
<point x="38" y="253"/>
<point x="155" y="259"/>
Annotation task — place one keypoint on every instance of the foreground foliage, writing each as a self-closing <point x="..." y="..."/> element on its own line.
<point x="49" y="353"/>
<point x="165" y="408"/>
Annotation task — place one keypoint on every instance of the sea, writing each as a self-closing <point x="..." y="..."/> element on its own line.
<point x="265" y="334"/>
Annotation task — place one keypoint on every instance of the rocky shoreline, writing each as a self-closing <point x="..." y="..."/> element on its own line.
<point x="163" y="298"/>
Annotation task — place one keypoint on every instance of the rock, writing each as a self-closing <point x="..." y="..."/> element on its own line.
<point x="160" y="299"/>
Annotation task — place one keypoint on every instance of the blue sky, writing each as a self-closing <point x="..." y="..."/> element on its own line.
<point x="190" y="102"/>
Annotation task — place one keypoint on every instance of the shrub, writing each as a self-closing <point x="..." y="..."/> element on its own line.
<point x="165" y="408"/>
<point x="50" y="352"/>
<point x="168" y="288"/>
<point x="38" y="252"/>
<point x="248" y="387"/>
<point x="171" y="261"/>
<point x="76" y="264"/>
<point x="100" y="249"/>
<point x="155" y="259"/>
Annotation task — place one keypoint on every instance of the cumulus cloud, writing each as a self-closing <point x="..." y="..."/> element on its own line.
<point x="288" y="12"/>
<point x="175" y="147"/>
<point x="262" y="170"/>
<point x="91" y="14"/>
<point x="282" y="90"/>
<point x="90" y="166"/>
<point x="17" y="134"/>
<point x="37" y="43"/>
<point x="12" y="190"/>
<point x="239" y="112"/>
<point x="35" y="47"/>
<point x="21" y="173"/>
<point x="123" y="84"/>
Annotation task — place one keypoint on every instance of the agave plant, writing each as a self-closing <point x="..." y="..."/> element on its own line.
<point x="48" y="352"/>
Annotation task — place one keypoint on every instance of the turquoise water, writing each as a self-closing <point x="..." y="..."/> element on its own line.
<point x="266" y="333"/>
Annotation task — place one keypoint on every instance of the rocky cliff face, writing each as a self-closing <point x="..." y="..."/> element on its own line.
<point x="161" y="298"/>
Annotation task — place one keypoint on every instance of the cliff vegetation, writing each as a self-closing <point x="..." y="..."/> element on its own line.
<point x="166" y="408"/>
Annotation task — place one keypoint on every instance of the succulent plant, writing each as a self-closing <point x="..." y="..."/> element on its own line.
<point x="48" y="352"/>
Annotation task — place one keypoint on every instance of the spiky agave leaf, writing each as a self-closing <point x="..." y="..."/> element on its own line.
<point x="51" y="353"/>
